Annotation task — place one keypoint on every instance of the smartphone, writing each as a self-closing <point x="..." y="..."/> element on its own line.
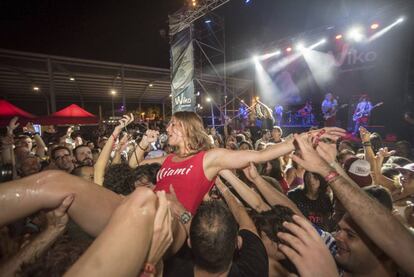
<point x="38" y="128"/>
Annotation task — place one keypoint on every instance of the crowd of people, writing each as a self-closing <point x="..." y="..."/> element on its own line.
<point x="177" y="199"/>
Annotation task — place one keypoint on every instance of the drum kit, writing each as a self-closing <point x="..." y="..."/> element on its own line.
<point x="300" y="117"/>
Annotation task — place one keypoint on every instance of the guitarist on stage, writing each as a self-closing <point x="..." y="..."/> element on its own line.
<point x="362" y="113"/>
<point x="329" y="109"/>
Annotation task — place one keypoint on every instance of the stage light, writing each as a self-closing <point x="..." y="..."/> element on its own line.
<point x="255" y="58"/>
<point x="355" y="34"/>
<point x="207" y="21"/>
<point x="35" y="88"/>
<point x="198" y="93"/>
<point x="247" y="1"/>
<point x="151" y="85"/>
<point x="170" y="95"/>
<point x="242" y="101"/>
<point x="300" y="47"/>
<point x="338" y="37"/>
<point x="113" y="92"/>
<point x="72" y="79"/>
<point x="278" y="52"/>
<point x="322" y="41"/>
<point x="374" y="26"/>
<point x="289" y="49"/>
<point x="257" y="98"/>
<point x="208" y="99"/>
<point x="400" y="20"/>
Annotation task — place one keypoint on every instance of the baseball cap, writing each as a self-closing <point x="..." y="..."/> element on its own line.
<point x="359" y="171"/>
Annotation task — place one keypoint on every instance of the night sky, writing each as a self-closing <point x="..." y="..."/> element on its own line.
<point x="128" y="31"/>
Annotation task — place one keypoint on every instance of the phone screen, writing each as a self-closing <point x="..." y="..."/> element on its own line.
<point x="38" y="128"/>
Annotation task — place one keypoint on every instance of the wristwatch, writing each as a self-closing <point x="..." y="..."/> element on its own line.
<point x="185" y="217"/>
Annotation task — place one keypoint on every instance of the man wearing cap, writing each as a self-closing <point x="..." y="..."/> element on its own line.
<point x="359" y="171"/>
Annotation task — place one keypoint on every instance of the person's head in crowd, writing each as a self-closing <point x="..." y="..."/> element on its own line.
<point x="102" y="141"/>
<point x="390" y="171"/>
<point x="245" y="145"/>
<point x="357" y="254"/>
<point x="146" y="175"/>
<point x="403" y="149"/>
<point x="213" y="131"/>
<point x="247" y="134"/>
<point x="85" y="171"/>
<point x="28" y="165"/>
<point x="266" y="135"/>
<point x="400" y="161"/>
<point x="231" y="145"/>
<point x="406" y="174"/>
<point x="91" y="145"/>
<point x="268" y="224"/>
<point x="118" y="178"/>
<point x="376" y="142"/>
<point x="83" y="155"/>
<point x="62" y="158"/>
<point x="186" y="129"/>
<point x="56" y="260"/>
<point x="273" y="181"/>
<point x="261" y="146"/>
<point x="25" y="142"/>
<point x="213" y="237"/>
<point x="240" y="138"/>
<point x="277" y="134"/>
<point x="345" y="155"/>
<point x="230" y="141"/>
<point x="314" y="184"/>
<point x="274" y="169"/>
<point x="359" y="171"/>
<point x="95" y="154"/>
<point x="346" y="144"/>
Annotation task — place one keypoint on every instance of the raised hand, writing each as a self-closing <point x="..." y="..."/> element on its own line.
<point x="123" y="122"/>
<point x="327" y="151"/>
<point x="151" y="136"/>
<point x="306" y="250"/>
<point x="333" y="133"/>
<point x="13" y="124"/>
<point x="251" y="172"/>
<point x="29" y="128"/>
<point x="365" y="134"/>
<point x="310" y="158"/>
<point x="58" y="218"/>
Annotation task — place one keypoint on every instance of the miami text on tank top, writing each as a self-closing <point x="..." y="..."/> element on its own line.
<point x="188" y="179"/>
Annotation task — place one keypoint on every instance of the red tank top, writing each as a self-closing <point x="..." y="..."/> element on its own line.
<point x="188" y="179"/>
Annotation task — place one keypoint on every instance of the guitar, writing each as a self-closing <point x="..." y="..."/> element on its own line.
<point x="360" y="114"/>
<point x="332" y="113"/>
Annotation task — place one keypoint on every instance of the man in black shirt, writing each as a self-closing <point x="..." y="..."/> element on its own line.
<point x="218" y="248"/>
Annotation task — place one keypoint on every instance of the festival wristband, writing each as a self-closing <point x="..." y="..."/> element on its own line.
<point x="331" y="176"/>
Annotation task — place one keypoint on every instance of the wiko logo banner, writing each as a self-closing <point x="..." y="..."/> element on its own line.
<point x="182" y="100"/>
<point x="351" y="58"/>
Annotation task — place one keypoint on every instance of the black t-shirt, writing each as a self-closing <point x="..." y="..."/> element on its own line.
<point x="317" y="211"/>
<point x="250" y="261"/>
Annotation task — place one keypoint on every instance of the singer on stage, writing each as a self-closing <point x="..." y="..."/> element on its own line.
<point x="329" y="109"/>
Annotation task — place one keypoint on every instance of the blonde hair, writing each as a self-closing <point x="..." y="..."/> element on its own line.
<point x="197" y="138"/>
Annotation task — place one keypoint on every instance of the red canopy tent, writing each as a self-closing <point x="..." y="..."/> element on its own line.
<point x="8" y="111"/>
<point x="72" y="114"/>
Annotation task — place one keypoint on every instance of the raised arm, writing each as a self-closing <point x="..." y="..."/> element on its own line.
<point x="219" y="159"/>
<point x="378" y="223"/>
<point x="137" y="157"/>
<point x="249" y="195"/>
<point x="236" y="208"/>
<point x="272" y="195"/>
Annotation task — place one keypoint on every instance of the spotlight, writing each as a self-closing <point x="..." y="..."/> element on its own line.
<point x="113" y="92"/>
<point x="289" y="49"/>
<point x="35" y="88"/>
<point x="208" y="99"/>
<point x="355" y="34"/>
<point x="255" y="58"/>
<point x="300" y="47"/>
<point x="198" y="93"/>
<point x="170" y="95"/>
<point x="338" y="37"/>
<point x="72" y="79"/>
<point x="322" y="41"/>
<point x="374" y="26"/>
<point x="247" y="2"/>
<point x="257" y="98"/>
<point x="242" y="101"/>
<point x="278" y="52"/>
<point x="207" y="21"/>
<point x="151" y="85"/>
<point x="400" y="20"/>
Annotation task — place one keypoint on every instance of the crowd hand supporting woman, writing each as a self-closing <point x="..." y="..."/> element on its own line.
<point x="305" y="248"/>
<point x="378" y="223"/>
